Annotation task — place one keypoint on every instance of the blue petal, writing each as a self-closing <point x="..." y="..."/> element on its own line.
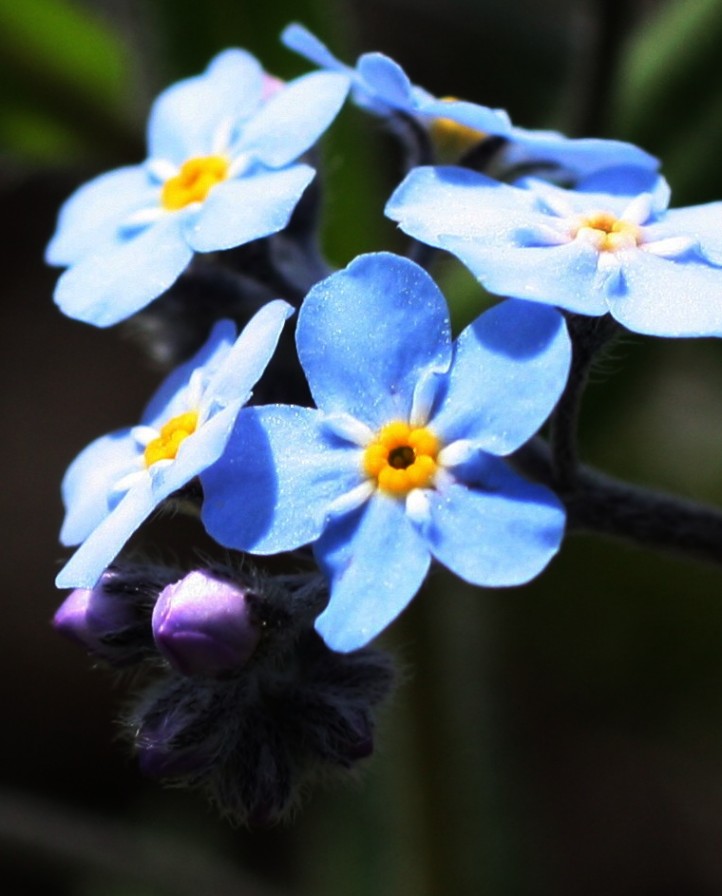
<point x="195" y="454"/>
<point x="271" y="490"/>
<point x="580" y="156"/>
<point x="627" y="181"/>
<point x="103" y="544"/>
<point x="246" y="361"/>
<point x="471" y="115"/>
<point x="703" y="222"/>
<point x="510" y="367"/>
<point x="300" y="39"/>
<point x="663" y="297"/>
<point x="238" y="211"/>
<point x="185" y="118"/>
<point x="565" y="276"/>
<point x="367" y="333"/>
<point x="294" y="118"/>
<point x="123" y="277"/>
<point x="375" y="562"/>
<point x="89" y="480"/>
<point x="96" y="211"/>
<point x="435" y="201"/>
<point x="496" y="529"/>
<point x="169" y="399"/>
<point x="385" y="80"/>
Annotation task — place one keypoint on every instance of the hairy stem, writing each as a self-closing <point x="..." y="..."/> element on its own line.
<point x="601" y="504"/>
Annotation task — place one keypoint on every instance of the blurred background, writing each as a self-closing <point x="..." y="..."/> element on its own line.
<point x="561" y="738"/>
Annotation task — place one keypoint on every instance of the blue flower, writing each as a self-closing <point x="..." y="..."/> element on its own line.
<point x="221" y="172"/>
<point x="382" y="87"/>
<point x="590" y="251"/>
<point x="116" y="482"/>
<point x="401" y="461"/>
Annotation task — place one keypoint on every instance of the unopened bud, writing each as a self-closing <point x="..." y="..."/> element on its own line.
<point x="205" y="626"/>
<point x="106" y="620"/>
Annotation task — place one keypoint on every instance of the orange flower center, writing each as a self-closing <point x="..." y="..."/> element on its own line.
<point x="402" y="458"/>
<point x="194" y="181"/>
<point x="607" y="233"/>
<point x="172" y="434"/>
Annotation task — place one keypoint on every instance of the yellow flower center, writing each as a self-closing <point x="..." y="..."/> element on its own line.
<point x="402" y="458"/>
<point x="452" y="139"/>
<point x="607" y="233"/>
<point x="194" y="181"/>
<point x="172" y="433"/>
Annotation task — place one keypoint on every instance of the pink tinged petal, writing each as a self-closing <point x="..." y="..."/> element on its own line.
<point x="121" y="278"/>
<point x="375" y="562"/>
<point x="104" y="543"/>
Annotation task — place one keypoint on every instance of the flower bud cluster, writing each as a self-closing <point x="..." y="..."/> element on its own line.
<point x="242" y="699"/>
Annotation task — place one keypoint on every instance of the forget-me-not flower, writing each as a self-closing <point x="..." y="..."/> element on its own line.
<point x="116" y="482"/>
<point x="221" y="172"/>
<point x="656" y="270"/>
<point x="401" y="462"/>
<point x="382" y="87"/>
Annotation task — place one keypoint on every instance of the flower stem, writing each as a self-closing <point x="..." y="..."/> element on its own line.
<point x="598" y="503"/>
<point x="588" y="335"/>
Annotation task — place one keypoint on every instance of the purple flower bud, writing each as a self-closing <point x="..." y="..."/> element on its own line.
<point x="103" y="619"/>
<point x="205" y="626"/>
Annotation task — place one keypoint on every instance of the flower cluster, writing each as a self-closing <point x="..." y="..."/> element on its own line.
<point x="389" y="443"/>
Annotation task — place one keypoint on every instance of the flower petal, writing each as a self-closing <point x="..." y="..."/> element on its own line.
<point x="565" y="275"/>
<point x="703" y="222"/>
<point x="103" y="544"/>
<point x="663" y="297"/>
<point x="169" y="399"/>
<point x="243" y="365"/>
<point x="432" y="202"/>
<point x="375" y="562"/>
<point x="95" y="212"/>
<point x="385" y="80"/>
<point x="297" y="37"/>
<point x="123" y="277"/>
<point x="89" y="480"/>
<point x="271" y="490"/>
<point x="580" y="156"/>
<point x="510" y="367"/>
<point x="366" y="334"/>
<point x="494" y="528"/>
<point x="248" y="208"/>
<point x="186" y="117"/>
<point x="294" y="118"/>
